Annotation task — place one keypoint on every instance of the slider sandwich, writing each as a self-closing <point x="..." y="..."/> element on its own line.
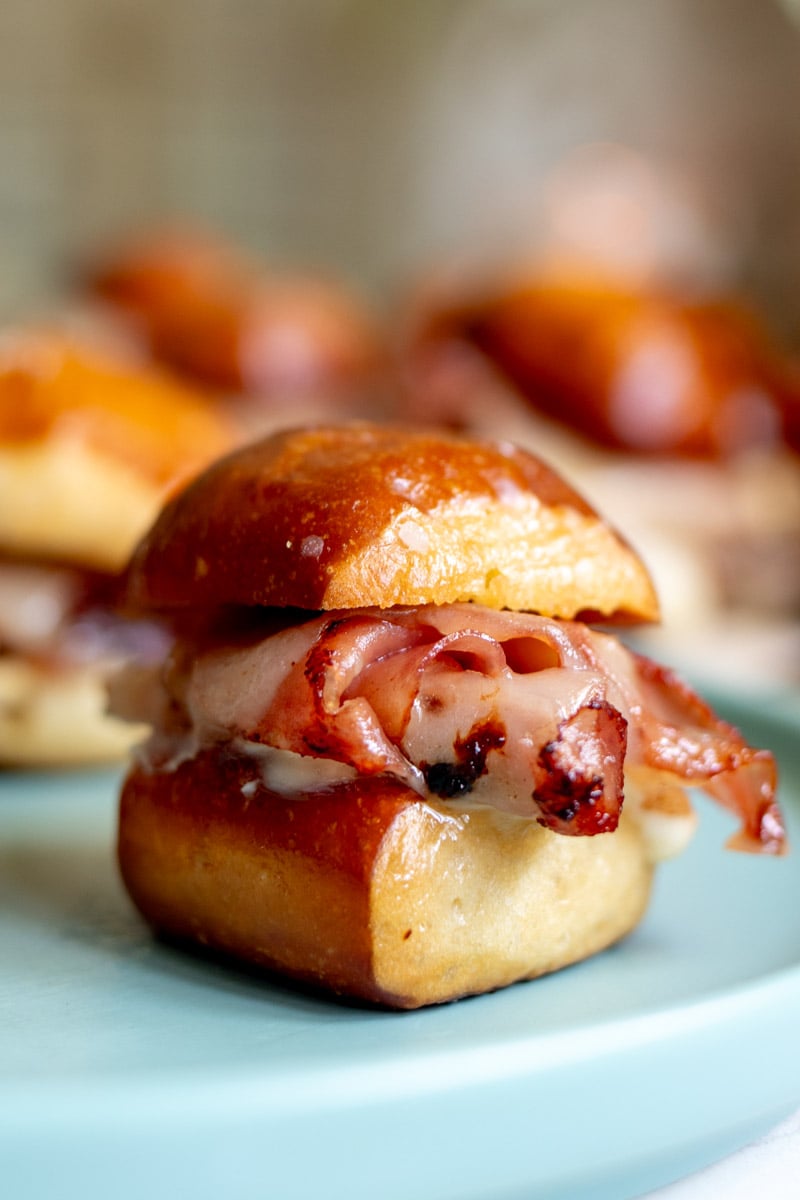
<point x="212" y="315"/>
<point x="389" y="756"/>
<point x="89" y="450"/>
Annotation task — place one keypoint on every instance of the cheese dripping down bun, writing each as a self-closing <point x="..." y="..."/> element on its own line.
<point x="390" y="757"/>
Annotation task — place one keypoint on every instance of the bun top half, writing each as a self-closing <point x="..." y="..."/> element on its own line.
<point x="57" y="389"/>
<point x="90" y="446"/>
<point x="364" y="515"/>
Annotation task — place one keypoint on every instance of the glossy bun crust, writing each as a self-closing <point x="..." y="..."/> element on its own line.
<point x="366" y="890"/>
<point x="89" y="447"/>
<point x="361" y="514"/>
<point x="215" y="316"/>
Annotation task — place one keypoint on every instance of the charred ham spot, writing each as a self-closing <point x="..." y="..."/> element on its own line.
<point x="449" y="780"/>
<point x="565" y="797"/>
<point x="580" y="791"/>
<point x="318" y="663"/>
<point x="320" y="658"/>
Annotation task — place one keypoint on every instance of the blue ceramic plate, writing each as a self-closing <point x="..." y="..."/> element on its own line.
<point x="128" y="1069"/>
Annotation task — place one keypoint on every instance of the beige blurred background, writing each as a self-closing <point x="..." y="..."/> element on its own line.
<point x="372" y="138"/>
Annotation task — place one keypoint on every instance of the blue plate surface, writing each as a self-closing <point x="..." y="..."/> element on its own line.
<point x="130" y="1069"/>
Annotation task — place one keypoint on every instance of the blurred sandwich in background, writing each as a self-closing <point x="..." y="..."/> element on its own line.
<point x="89" y="449"/>
<point x="274" y="346"/>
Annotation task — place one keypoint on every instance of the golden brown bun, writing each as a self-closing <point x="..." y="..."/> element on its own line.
<point x="89" y="447"/>
<point x="319" y="887"/>
<point x="58" y="718"/>
<point x="52" y="387"/>
<point x="218" y="318"/>
<point x="66" y="502"/>
<point x="361" y="514"/>
<point x="632" y="368"/>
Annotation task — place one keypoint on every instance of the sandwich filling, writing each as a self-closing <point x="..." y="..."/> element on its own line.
<point x="542" y="718"/>
<point x="61" y="617"/>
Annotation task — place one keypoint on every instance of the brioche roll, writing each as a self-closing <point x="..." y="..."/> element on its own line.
<point x="58" y="718"/>
<point x="387" y="516"/>
<point x="89" y="447"/>
<point x="365" y="890"/>
<point x="220" y="319"/>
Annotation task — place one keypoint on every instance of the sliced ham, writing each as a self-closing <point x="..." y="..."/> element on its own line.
<point x="533" y="715"/>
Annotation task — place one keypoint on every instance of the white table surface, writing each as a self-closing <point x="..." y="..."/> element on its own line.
<point x="769" y="1169"/>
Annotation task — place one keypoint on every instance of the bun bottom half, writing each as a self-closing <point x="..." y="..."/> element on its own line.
<point x="58" y="718"/>
<point x="366" y="890"/>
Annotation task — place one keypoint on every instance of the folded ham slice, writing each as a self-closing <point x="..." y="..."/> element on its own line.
<point x="531" y="715"/>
